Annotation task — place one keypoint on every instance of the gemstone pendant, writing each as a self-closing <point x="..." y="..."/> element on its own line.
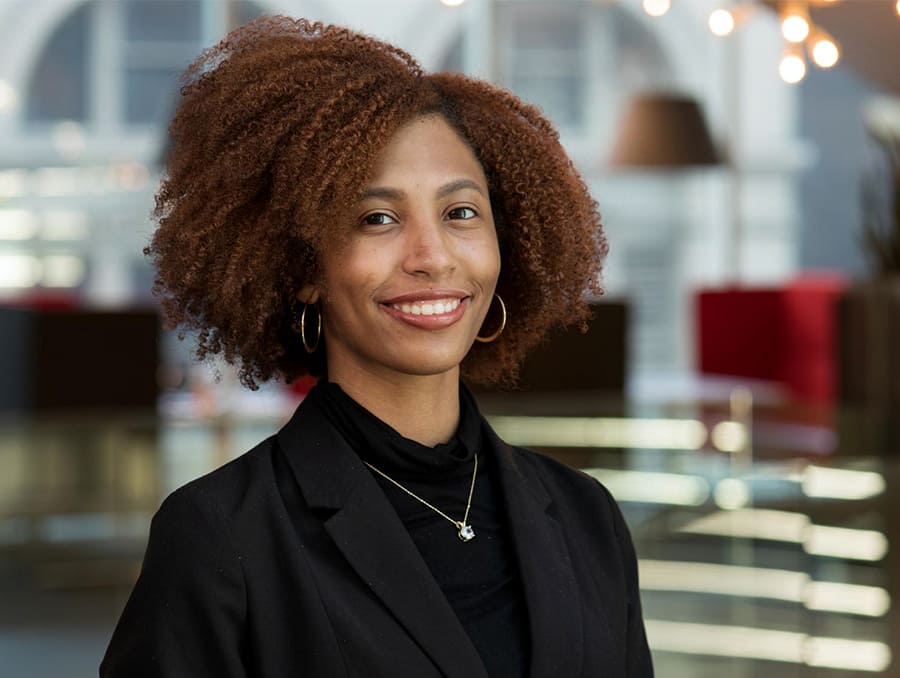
<point x="466" y="533"/>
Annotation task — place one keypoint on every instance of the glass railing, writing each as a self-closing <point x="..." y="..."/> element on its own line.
<point x="762" y="544"/>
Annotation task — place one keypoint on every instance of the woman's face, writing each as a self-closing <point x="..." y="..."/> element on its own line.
<point x="407" y="291"/>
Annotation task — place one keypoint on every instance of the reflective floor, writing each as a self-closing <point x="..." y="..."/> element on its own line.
<point x="764" y="531"/>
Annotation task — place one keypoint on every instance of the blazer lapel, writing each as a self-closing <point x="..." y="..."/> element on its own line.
<point x="370" y="535"/>
<point x="545" y="566"/>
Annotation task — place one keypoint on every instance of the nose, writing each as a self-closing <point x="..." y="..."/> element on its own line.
<point x="428" y="248"/>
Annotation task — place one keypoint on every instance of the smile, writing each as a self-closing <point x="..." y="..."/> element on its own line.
<point x="430" y="307"/>
<point x="432" y="314"/>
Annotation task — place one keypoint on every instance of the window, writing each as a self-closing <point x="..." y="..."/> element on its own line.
<point x="577" y="61"/>
<point x="59" y="85"/>
<point x="160" y="40"/>
<point x="118" y="63"/>
<point x="542" y="57"/>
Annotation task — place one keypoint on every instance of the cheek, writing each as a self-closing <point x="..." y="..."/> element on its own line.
<point x="351" y="278"/>
<point x="486" y="260"/>
<point x="495" y="259"/>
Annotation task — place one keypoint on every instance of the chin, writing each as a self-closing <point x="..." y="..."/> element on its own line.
<point x="425" y="363"/>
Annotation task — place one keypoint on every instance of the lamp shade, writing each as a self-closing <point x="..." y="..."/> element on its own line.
<point x="663" y="131"/>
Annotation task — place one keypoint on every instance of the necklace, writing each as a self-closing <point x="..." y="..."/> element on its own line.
<point x="463" y="529"/>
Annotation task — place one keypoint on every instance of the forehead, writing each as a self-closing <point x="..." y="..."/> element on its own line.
<point x="427" y="147"/>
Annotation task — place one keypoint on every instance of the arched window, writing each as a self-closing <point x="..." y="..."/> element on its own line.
<point x="58" y="89"/>
<point x="578" y="61"/>
<point x="116" y="64"/>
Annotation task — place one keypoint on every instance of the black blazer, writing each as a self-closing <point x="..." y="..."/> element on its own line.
<point x="290" y="562"/>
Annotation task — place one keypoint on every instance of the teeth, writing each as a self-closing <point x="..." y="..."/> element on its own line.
<point x="437" y="307"/>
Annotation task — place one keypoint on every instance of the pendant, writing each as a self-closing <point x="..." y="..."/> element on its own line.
<point x="466" y="533"/>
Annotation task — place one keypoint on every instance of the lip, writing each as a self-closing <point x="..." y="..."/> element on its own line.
<point x="426" y="295"/>
<point x="427" y="322"/>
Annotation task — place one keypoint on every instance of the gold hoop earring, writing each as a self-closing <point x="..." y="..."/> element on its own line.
<point x="487" y="340"/>
<point x="303" y="329"/>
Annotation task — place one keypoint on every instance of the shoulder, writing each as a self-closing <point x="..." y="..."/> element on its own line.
<point x="214" y="499"/>
<point x="574" y="492"/>
<point x="189" y="603"/>
<point x="557" y="475"/>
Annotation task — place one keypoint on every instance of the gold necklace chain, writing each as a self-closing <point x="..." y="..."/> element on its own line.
<point x="463" y="529"/>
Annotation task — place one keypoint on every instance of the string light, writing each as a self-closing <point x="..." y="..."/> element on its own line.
<point x="792" y="68"/>
<point x="794" y="23"/>
<point x="824" y="51"/>
<point x="657" y="7"/>
<point x="796" y="27"/>
<point x="721" y="22"/>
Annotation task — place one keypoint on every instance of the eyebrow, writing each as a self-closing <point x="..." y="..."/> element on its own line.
<point x="442" y="192"/>
<point x="459" y="185"/>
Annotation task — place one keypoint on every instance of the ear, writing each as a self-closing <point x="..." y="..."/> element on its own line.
<point x="308" y="294"/>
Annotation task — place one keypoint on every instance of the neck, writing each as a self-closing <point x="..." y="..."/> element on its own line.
<point x="421" y="408"/>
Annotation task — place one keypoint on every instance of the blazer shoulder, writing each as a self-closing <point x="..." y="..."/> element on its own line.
<point x="556" y="472"/>
<point x="569" y="486"/>
<point x="188" y="606"/>
<point x="221" y="491"/>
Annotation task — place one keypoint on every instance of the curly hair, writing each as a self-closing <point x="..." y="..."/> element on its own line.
<point x="278" y="127"/>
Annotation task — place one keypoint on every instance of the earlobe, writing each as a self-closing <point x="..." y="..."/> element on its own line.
<point x="308" y="294"/>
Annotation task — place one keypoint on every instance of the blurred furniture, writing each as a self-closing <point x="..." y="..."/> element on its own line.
<point x="787" y="334"/>
<point x="57" y="359"/>
<point x="595" y="361"/>
<point x="870" y="344"/>
<point x="869" y="341"/>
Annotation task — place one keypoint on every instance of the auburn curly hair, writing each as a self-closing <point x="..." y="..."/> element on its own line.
<point x="278" y="128"/>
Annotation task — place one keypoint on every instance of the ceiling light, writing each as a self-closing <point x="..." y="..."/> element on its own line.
<point x="795" y="28"/>
<point x="825" y="52"/>
<point x="657" y="7"/>
<point x="721" y="22"/>
<point x="794" y="23"/>
<point x="792" y="68"/>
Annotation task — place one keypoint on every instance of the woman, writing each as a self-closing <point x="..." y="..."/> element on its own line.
<point x="330" y="209"/>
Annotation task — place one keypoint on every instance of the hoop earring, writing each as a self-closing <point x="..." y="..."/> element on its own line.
<point x="487" y="340"/>
<point x="303" y="329"/>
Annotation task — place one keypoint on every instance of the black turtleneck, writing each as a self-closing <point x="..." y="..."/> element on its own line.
<point x="480" y="577"/>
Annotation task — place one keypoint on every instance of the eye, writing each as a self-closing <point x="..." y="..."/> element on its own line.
<point x="462" y="213"/>
<point x="378" y="219"/>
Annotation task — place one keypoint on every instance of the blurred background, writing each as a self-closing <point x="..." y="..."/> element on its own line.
<point x="738" y="390"/>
